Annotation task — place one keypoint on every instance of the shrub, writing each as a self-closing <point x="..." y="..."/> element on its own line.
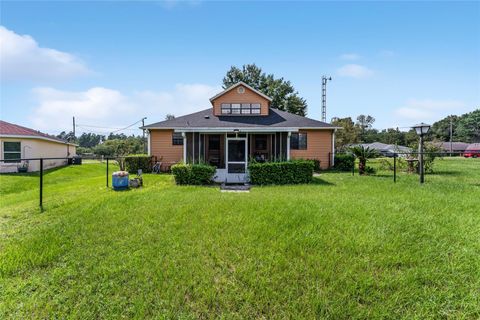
<point x="370" y="170"/>
<point x="316" y="165"/>
<point x="287" y="172"/>
<point x="134" y="162"/>
<point x="194" y="174"/>
<point x="344" y="162"/>
<point x="387" y="164"/>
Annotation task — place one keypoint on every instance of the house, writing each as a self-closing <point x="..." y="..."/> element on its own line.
<point x="240" y="126"/>
<point x="472" y="150"/>
<point x="456" y="147"/>
<point x="387" y="150"/>
<point x="17" y="142"/>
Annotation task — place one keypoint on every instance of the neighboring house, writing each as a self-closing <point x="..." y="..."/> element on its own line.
<point x="17" y="142"/>
<point x="387" y="150"/>
<point x="240" y="126"/>
<point x="473" y="150"/>
<point x="457" y="147"/>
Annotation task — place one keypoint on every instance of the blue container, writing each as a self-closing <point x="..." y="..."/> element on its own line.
<point x="120" y="182"/>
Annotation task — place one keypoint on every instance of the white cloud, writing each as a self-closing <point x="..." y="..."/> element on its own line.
<point x="21" y="58"/>
<point x="350" y="56"/>
<point x="428" y="110"/>
<point x="110" y="108"/>
<point x="354" y="71"/>
<point x="183" y="99"/>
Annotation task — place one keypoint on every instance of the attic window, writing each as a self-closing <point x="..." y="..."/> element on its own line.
<point x="240" y="108"/>
<point x="241" y="90"/>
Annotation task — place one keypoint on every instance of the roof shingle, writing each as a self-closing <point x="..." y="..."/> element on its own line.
<point x="10" y="129"/>
<point x="206" y="119"/>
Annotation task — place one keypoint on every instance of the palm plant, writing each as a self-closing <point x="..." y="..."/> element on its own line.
<point x="362" y="153"/>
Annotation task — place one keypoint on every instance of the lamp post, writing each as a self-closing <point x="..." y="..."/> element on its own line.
<point x="421" y="129"/>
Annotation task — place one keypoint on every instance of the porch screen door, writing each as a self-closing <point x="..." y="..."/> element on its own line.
<point x="236" y="159"/>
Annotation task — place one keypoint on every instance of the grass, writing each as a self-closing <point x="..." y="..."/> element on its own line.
<point x="342" y="247"/>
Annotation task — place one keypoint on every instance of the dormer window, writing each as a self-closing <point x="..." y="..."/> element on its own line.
<point x="240" y="100"/>
<point x="240" y="108"/>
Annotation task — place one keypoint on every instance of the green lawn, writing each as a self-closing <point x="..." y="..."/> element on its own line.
<point x="342" y="247"/>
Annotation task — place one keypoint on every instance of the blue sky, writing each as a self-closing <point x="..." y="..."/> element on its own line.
<point x="112" y="63"/>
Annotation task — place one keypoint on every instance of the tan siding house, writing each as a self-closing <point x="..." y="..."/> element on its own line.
<point x="239" y="127"/>
<point x="17" y="142"/>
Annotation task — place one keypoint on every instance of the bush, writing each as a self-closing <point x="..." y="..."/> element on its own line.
<point x="134" y="162"/>
<point x="370" y="170"/>
<point x="316" y="165"/>
<point x="193" y="174"/>
<point x="287" y="172"/>
<point x="387" y="164"/>
<point x="344" y="162"/>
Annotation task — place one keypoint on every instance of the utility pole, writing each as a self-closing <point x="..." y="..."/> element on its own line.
<point x="451" y="134"/>
<point x="74" y="128"/>
<point x="143" y="129"/>
<point x="324" y="97"/>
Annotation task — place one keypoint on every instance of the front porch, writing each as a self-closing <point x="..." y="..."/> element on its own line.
<point x="231" y="152"/>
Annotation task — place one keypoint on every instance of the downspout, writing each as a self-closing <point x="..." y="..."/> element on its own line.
<point x="184" y="136"/>
<point x="333" y="147"/>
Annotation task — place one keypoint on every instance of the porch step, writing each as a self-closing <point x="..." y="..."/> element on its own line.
<point x="235" y="188"/>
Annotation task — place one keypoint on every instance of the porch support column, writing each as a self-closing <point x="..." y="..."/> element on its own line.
<point x="184" y="135"/>
<point x="288" y="145"/>
<point x="333" y="147"/>
<point x="149" y="141"/>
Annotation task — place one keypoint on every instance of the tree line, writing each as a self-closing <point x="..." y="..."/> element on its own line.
<point x="102" y="145"/>
<point x="465" y="128"/>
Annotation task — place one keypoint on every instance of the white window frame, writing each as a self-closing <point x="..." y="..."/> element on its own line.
<point x="10" y="152"/>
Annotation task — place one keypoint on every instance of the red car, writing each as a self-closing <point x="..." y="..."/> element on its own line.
<point x="471" y="153"/>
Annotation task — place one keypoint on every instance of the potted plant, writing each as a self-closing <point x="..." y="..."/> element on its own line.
<point x="23" y="166"/>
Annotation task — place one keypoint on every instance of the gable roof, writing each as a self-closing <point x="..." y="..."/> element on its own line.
<point x="275" y="120"/>
<point x="473" y="146"/>
<point x="383" y="147"/>
<point x="241" y="83"/>
<point x="455" y="145"/>
<point x="10" y="130"/>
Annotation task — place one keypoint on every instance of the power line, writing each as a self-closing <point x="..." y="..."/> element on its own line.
<point x="108" y="129"/>
<point x="127" y="126"/>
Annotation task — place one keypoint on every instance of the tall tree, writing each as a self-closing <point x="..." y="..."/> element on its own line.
<point x="468" y="128"/>
<point x="169" y="116"/>
<point x="441" y="129"/>
<point x="90" y="140"/>
<point x="283" y="94"/>
<point x="365" y="122"/>
<point x="349" y="133"/>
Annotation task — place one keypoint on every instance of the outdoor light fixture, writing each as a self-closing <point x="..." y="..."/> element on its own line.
<point x="421" y="130"/>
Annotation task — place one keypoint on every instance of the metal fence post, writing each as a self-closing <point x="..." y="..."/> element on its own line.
<point x="394" y="167"/>
<point x="41" y="184"/>
<point x="107" y="172"/>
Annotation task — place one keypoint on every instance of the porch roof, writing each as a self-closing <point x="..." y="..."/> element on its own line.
<point x="276" y="120"/>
